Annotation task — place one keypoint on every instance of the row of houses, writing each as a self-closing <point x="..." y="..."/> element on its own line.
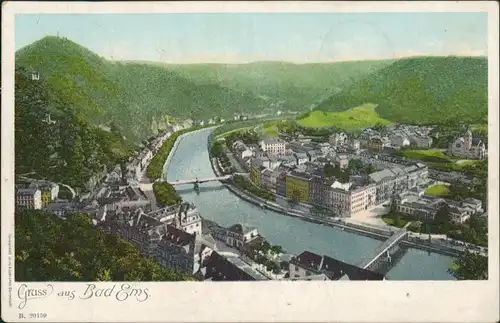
<point x="175" y="237"/>
<point x="397" y="136"/>
<point x="295" y="170"/>
<point x="172" y="235"/>
<point x="137" y="166"/>
<point x="424" y="206"/>
<point x="282" y="154"/>
<point x="345" y="198"/>
<point x="36" y="194"/>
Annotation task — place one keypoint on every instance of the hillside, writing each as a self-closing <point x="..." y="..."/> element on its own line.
<point x="422" y="90"/>
<point x="68" y="149"/>
<point x="51" y="249"/>
<point x="356" y="118"/>
<point x="283" y="85"/>
<point x="158" y="90"/>
<point x="102" y="91"/>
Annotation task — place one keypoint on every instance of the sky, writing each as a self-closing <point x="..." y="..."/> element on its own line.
<point x="246" y="37"/>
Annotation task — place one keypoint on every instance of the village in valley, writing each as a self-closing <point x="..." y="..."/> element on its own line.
<point x="286" y="164"/>
<point x="363" y="183"/>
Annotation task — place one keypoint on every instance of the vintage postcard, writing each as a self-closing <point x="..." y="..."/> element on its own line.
<point x="250" y="161"/>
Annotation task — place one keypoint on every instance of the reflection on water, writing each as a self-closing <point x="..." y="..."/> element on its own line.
<point x="218" y="204"/>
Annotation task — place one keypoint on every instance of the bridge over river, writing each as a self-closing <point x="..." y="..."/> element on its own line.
<point x="386" y="247"/>
<point x="196" y="181"/>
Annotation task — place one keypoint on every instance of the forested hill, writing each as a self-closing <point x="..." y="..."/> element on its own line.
<point x="422" y="90"/>
<point x="282" y="84"/>
<point x="65" y="148"/>
<point x="52" y="249"/>
<point x="129" y="94"/>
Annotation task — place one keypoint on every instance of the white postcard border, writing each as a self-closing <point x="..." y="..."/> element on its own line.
<point x="387" y="301"/>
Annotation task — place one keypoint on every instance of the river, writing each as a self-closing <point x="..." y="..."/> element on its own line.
<point x="215" y="202"/>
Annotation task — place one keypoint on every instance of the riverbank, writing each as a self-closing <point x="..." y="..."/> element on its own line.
<point x="156" y="167"/>
<point x="176" y="144"/>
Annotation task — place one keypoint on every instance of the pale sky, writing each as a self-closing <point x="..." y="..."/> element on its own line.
<point x="235" y="38"/>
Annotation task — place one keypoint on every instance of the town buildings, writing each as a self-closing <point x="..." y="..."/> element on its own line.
<point x="342" y="161"/>
<point x="35" y="76"/>
<point x="219" y="268"/>
<point x="397" y="137"/>
<point x="138" y="165"/>
<point x="297" y="186"/>
<point x="347" y="199"/>
<point x="424" y="206"/>
<point x="274" y="146"/>
<point x="301" y="158"/>
<point x="61" y="208"/>
<point x="188" y="219"/>
<point x="172" y="235"/>
<point x="420" y="141"/>
<point x="48" y="190"/>
<point x="399" y="140"/>
<point x="256" y="174"/>
<point x="468" y="147"/>
<point x="299" y="175"/>
<point x="28" y="199"/>
<point x="338" y="139"/>
<point x="375" y="144"/>
<point x="308" y="264"/>
<point x="182" y="251"/>
<point x="239" y="235"/>
<point x="241" y="150"/>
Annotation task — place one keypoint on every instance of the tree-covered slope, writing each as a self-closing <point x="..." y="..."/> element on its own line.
<point x="74" y="75"/>
<point x="422" y="90"/>
<point x="155" y="90"/>
<point x="65" y="149"/>
<point x="286" y="85"/>
<point x="128" y="94"/>
<point x="51" y="249"/>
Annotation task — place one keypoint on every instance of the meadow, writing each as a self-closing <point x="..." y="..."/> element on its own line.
<point x="360" y="117"/>
<point x="440" y="190"/>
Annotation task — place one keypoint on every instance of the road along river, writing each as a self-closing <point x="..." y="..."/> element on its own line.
<point x="215" y="202"/>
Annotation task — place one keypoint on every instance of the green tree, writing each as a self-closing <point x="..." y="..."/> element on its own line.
<point x="217" y="149"/>
<point x="52" y="249"/>
<point x="470" y="266"/>
<point x="76" y="162"/>
<point x="104" y="275"/>
<point x="277" y="249"/>
<point x="443" y="218"/>
<point x="394" y="206"/>
<point x="329" y="170"/>
<point x="415" y="226"/>
<point x="166" y="194"/>
<point x="397" y="220"/>
<point x="458" y="190"/>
